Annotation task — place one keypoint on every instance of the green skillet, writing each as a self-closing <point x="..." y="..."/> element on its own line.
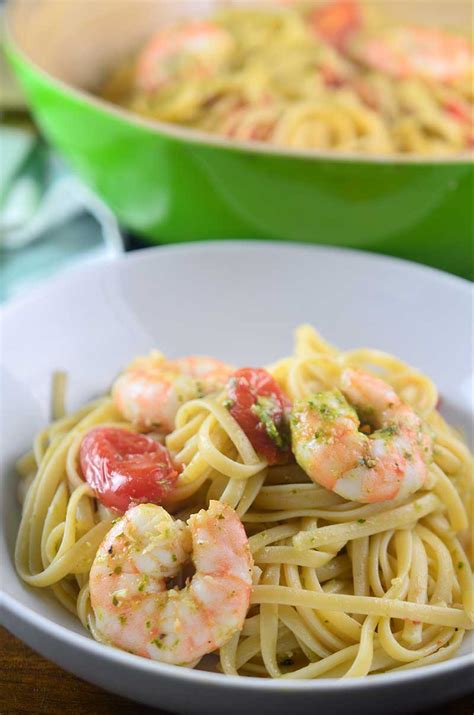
<point x="172" y="184"/>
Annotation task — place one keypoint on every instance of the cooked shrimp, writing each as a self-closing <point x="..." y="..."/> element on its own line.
<point x="198" y="48"/>
<point x="147" y="547"/>
<point x="401" y="51"/>
<point x="389" y="462"/>
<point x="417" y="52"/>
<point x="212" y="374"/>
<point x="151" y="389"/>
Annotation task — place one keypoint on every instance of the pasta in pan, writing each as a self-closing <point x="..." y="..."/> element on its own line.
<point x="337" y="76"/>
<point x="317" y="584"/>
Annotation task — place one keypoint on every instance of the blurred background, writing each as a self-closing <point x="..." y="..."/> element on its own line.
<point x="82" y="180"/>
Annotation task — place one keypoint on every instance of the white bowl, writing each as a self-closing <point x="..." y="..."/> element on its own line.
<point x="239" y="301"/>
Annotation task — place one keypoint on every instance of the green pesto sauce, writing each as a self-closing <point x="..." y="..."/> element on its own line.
<point x="263" y="409"/>
<point x="143" y="582"/>
<point x="387" y="432"/>
<point x="330" y="405"/>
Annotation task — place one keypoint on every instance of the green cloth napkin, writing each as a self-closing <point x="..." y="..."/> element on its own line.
<point x="48" y="218"/>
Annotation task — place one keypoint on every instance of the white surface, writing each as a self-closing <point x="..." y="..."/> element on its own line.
<point x="239" y="301"/>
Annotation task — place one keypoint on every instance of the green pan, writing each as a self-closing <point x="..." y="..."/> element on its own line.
<point x="172" y="184"/>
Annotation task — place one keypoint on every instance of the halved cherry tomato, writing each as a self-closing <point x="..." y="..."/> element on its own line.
<point x="257" y="403"/>
<point x="123" y="467"/>
<point x="336" y="21"/>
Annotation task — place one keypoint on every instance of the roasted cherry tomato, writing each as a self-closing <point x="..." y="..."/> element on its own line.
<point x="123" y="467"/>
<point x="257" y="403"/>
<point x="337" y="21"/>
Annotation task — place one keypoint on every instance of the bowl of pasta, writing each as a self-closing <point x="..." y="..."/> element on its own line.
<point x="280" y="525"/>
<point x="337" y="122"/>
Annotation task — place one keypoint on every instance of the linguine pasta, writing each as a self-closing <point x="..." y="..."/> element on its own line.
<point x="341" y="589"/>
<point x="287" y="78"/>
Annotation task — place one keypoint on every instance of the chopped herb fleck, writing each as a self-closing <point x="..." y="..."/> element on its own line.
<point x="174" y="557"/>
<point x="228" y="403"/>
<point x="200" y="389"/>
<point x="325" y="410"/>
<point x="361" y="521"/>
<point x="369" y="462"/>
<point x="123" y="620"/>
<point x="148" y="624"/>
<point x="388" y="431"/>
<point x="263" y="408"/>
<point x="115" y="600"/>
<point x="118" y="569"/>
<point x="110" y="550"/>
<point x="143" y="582"/>
<point x="460" y="565"/>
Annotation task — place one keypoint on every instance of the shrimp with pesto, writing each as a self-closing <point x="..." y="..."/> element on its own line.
<point x="150" y="391"/>
<point x="389" y="462"/>
<point x="143" y="554"/>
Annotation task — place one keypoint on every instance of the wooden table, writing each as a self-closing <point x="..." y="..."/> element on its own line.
<point x="30" y="684"/>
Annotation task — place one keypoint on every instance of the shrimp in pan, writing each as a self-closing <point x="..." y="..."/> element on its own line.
<point x="399" y="51"/>
<point x="146" y="549"/>
<point x="150" y="391"/>
<point x="425" y="52"/>
<point x="196" y="49"/>
<point x="390" y="461"/>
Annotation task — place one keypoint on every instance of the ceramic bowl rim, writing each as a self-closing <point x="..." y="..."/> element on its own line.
<point x="86" y="644"/>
